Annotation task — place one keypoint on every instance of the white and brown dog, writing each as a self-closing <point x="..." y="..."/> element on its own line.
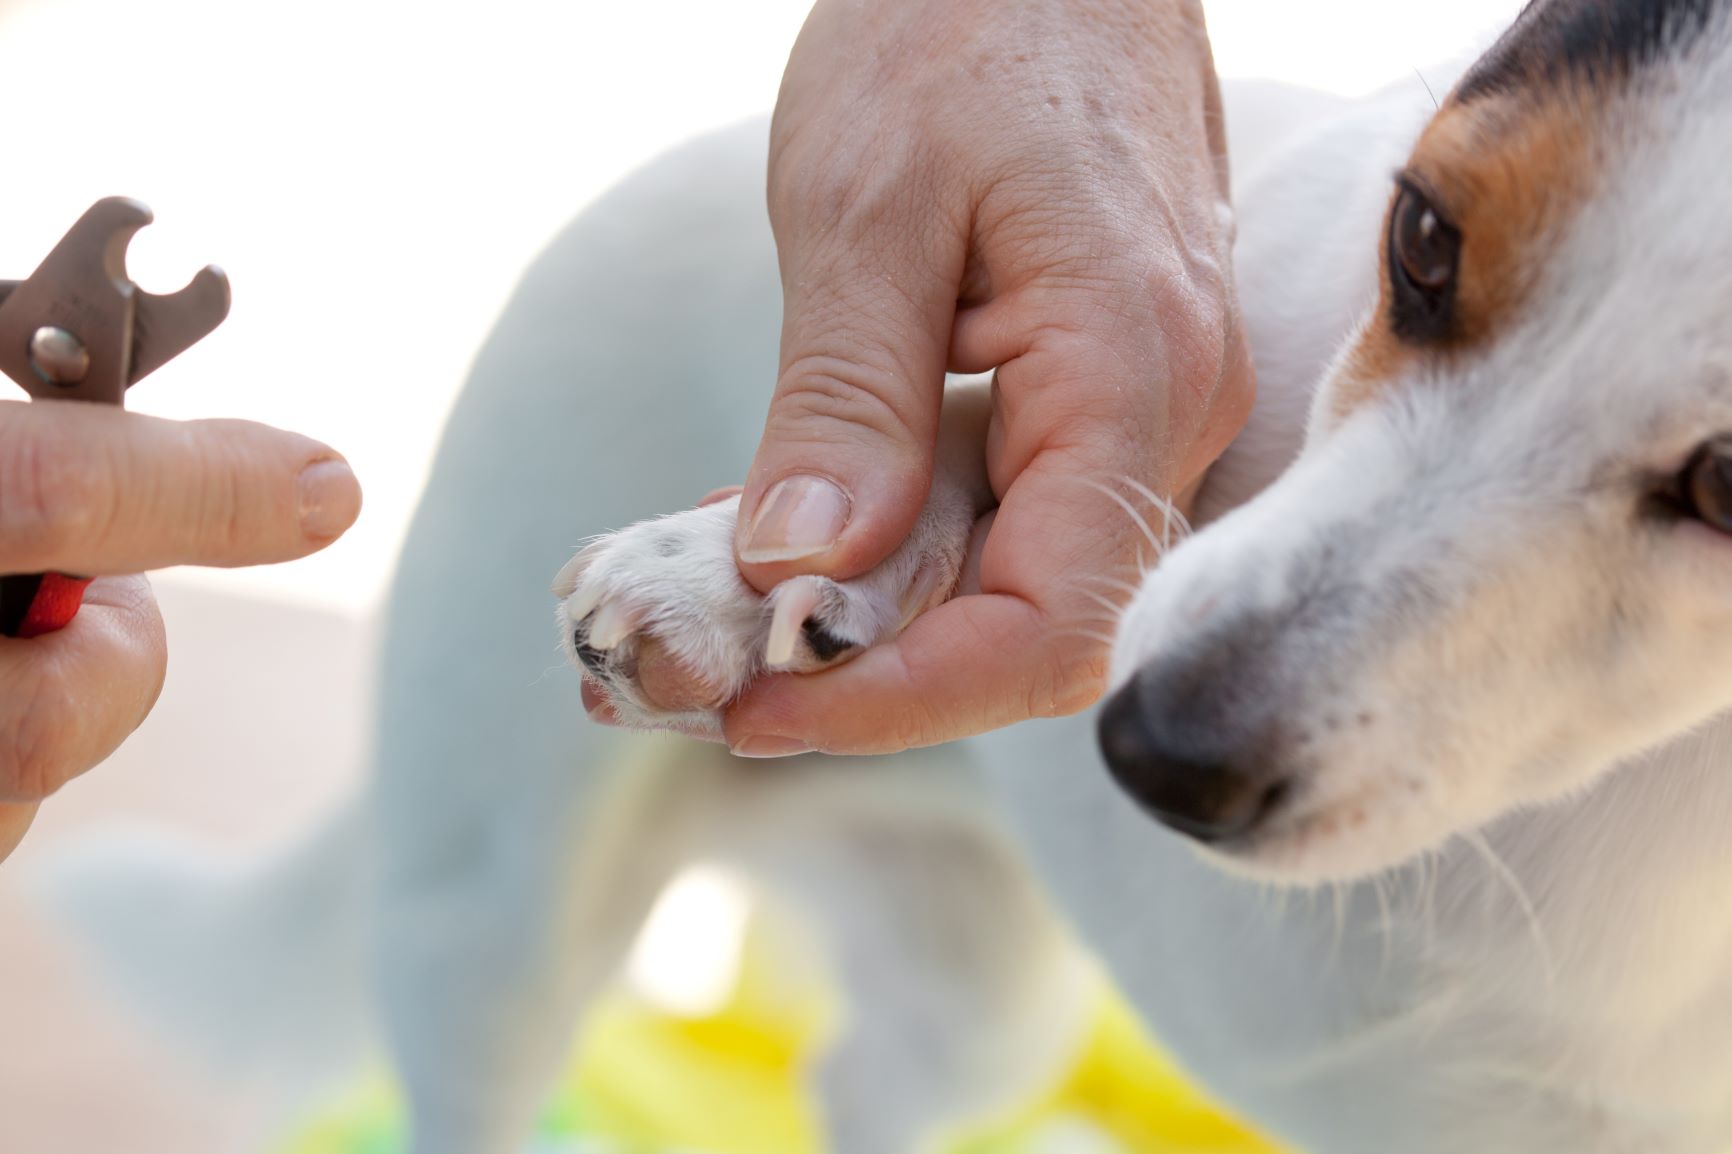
<point x="1496" y="573"/>
<point x="1452" y="642"/>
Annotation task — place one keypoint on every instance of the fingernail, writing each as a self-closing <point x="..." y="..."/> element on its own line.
<point x="800" y="517"/>
<point x="769" y="747"/>
<point x="329" y="496"/>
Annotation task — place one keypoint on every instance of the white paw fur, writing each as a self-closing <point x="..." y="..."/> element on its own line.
<point x="674" y="579"/>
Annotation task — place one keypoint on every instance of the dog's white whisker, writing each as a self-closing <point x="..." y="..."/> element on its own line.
<point x="1130" y="510"/>
<point x="1108" y="623"/>
<point x="1385" y="921"/>
<point x="1501" y="870"/>
<point x="1338" y="900"/>
<point x="1410" y="891"/>
<point x="1431" y="866"/>
<point x="560" y="667"/>
<point x="1166" y="505"/>
<point x="1107" y="603"/>
<point x="1125" y="587"/>
<point x="1104" y="638"/>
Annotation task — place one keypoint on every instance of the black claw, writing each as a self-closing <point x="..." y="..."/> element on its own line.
<point x="825" y="644"/>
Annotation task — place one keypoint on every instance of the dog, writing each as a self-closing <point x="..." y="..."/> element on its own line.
<point x="1412" y="836"/>
<point x="1486" y="583"/>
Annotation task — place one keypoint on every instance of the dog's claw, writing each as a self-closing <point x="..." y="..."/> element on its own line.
<point x="570" y="574"/>
<point x="613" y="624"/>
<point x="795" y="602"/>
<point x="581" y="602"/>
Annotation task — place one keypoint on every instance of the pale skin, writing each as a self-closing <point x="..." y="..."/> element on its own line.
<point x="91" y="490"/>
<point x="964" y="185"/>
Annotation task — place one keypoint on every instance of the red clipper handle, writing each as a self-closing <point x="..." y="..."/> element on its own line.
<point x="39" y="603"/>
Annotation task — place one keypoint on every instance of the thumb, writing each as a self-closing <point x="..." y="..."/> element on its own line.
<point x="846" y="460"/>
<point x="92" y="489"/>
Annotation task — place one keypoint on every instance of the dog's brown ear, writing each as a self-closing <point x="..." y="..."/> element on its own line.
<point x="1555" y="41"/>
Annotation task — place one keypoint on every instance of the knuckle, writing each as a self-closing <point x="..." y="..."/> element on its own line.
<point x="224" y="514"/>
<point x="913" y="728"/>
<point x="230" y="497"/>
<point x="850" y="196"/>
<point x="49" y="498"/>
<point x="1073" y="682"/>
<point x="799" y="188"/>
<point x="827" y="184"/>
<point x="831" y="398"/>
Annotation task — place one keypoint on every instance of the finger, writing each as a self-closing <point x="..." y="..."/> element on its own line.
<point x="946" y="677"/>
<point x="68" y="699"/>
<point x="14" y="824"/>
<point x="1162" y="398"/>
<point x="846" y="459"/>
<point x="92" y="489"/>
<point x="717" y="496"/>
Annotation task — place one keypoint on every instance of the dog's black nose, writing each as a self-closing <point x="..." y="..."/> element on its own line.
<point x="1180" y="776"/>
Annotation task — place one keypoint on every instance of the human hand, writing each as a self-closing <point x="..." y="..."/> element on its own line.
<point x="956" y="184"/>
<point x="92" y="490"/>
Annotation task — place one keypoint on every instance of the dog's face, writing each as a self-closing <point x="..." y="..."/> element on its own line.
<point x="1504" y="560"/>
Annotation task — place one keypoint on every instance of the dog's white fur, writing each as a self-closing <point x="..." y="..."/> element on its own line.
<point x="1552" y="977"/>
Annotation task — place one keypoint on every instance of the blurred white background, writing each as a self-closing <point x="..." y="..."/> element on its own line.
<point x="375" y="173"/>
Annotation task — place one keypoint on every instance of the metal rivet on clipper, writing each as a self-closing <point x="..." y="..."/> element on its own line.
<point x="57" y="356"/>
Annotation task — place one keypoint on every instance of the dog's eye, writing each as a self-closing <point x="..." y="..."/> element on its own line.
<point x="1707" y="485"/>
<point x="1425" y="247"/>
<point x="1424" y="256"/>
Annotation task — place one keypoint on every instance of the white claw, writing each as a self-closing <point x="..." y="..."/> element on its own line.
<point x="570" y="573"/>
<point x="613" y="624"/>
<point x="795" y="601"/>
<point x="919" y="596"/>
<point x="582" y="601"/>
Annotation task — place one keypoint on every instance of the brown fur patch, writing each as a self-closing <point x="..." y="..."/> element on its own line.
<point x="1509" y="172"/>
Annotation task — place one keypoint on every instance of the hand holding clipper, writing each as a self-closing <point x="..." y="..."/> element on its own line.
<point x="80" y="330"/>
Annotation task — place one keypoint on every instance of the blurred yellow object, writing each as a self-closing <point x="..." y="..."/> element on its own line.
<point x="733" y="1083"/>
<point x="1125" y="1088"/>
<point x="729" y="1083"/>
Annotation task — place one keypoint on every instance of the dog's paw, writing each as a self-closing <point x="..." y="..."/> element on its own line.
<point x="658" y="616"/>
